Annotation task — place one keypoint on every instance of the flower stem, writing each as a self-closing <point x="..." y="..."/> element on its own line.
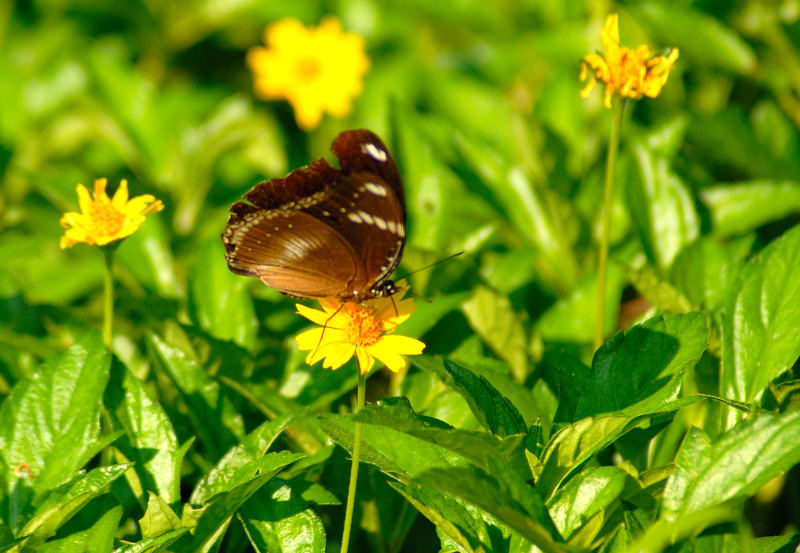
<point x="605" y="230"/>
<point x="108" y="299"/>
<point x="351" y="492"/>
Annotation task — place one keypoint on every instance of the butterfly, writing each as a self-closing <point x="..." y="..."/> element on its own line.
<point x="323" y="232"/>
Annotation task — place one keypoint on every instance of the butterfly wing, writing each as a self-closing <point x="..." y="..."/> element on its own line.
<point x="321" y="231"/>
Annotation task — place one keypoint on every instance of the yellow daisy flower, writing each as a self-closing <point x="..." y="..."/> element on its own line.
<point x="103" y="219"/>
<point x="630" y="73"/>
<point x="364" y="329"/>
<point x="317" y="69"/>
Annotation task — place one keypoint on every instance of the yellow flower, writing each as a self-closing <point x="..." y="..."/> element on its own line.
<point x="364" y="329"/>
<point x="631" y="73"/>
<point x="316" y="69"/>
<point x="103" y="219"/>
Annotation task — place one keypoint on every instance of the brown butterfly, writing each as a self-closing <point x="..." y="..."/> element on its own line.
<point x="323" y="232"/>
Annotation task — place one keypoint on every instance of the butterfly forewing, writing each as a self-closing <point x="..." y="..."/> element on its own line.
<point x="321" y="231"/>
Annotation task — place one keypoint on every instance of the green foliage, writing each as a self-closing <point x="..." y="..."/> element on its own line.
<point x="201" y="429"/>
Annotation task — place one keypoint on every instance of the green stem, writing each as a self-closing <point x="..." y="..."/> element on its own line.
<point x="605" y="230"/>
<point x="108" y="299"/>
<point x="351" y="492"/>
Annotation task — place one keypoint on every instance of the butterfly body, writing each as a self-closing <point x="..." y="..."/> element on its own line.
<point x="323" y="232"/>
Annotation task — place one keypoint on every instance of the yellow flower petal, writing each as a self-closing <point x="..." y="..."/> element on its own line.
<point x="363" y="329"/>
<point x="317" y="69"/>
<point x="121" y="196"/>
<point x="625" y="72"/>
<point x="103" y="220"/>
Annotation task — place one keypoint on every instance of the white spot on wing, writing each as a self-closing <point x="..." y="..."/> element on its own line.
<point x="367" y="217"/>
<point x="377" y="189"/>
<point x="380" y="223"/>
<point x="355" y="217"/>
<point x="375" y="152"/>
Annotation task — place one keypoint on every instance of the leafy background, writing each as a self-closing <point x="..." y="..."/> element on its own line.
<point x="205" y="431"/>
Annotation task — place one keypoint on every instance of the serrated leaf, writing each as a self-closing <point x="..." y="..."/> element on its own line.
<point x="252" y="448"/>
<point x="153" y="545"/>
<point x="98" y="537"/>
<point x="482" y="449"/>
<point x="584" y="496"/>
<point x="213" y="418"/>
<point x="760" y="321"/>
<point x="576" y="443"/>
<point x="158" y="518"/>
<point x="215" y="518"/>
<point x="51" y="421"/>
<point x="277" y="519"/>
<point x="495" y="412"/>
<point x="733" y="467"/>
<point x="150" y="440"/>
<point x="502" y="494"/>
<point x="467" y="529"/>
<point x="643" y="364"/>
<point x="64" y="502"/>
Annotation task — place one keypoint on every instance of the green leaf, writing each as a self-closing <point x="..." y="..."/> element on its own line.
<point x="64" y="502"/>
<point x="733" y="467"/>
<point x="154" y="545"/>
<point x="576" y="443"/>
<point x="704" y="271"/>
<point x="567" y="320"/>
<point x="51" y="421"/>
<point x="527" y="209"/>
<point x="213" y="418"/>
<point x="276" y="518"/>
<point x="465" y="527"/>
<point x="584" y="496"/>
<point x="220" y="298"/>
<point x="495" y="412"/>
<point x="643" y="366"/>
<point x="150" y="440"/>
<point x="739" y="207"/>
<point x="760" y="320"/>
<point x="660" y="293"/>
<point x="146" y="253"/>
<point x="229" y="469"/>
<point x="482" y="449"/>
<point x="98" y="537"/>
<point x="493" y="318"/>
<point x="661" y="207"/>
<point x="217" y="516"/>
<point x="699" y="36"/>
<point x="159" y="518"/>
<point x="502" y="494"/>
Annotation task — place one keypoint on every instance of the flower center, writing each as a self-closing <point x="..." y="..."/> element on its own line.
<point x="106" y="220"/>
<point x="364" y="328"/>
<point x="308" y="68"/>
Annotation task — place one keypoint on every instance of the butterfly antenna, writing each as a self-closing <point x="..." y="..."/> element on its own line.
<point x="325" y="327"/>
<point x="434" y="264"/>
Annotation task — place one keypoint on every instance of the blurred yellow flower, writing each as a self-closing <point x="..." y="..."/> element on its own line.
<point x="631" y="73"/>
<point x="317" y="69"/>
<point x="103" y="219"/>
<point x="364" y="329"/>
